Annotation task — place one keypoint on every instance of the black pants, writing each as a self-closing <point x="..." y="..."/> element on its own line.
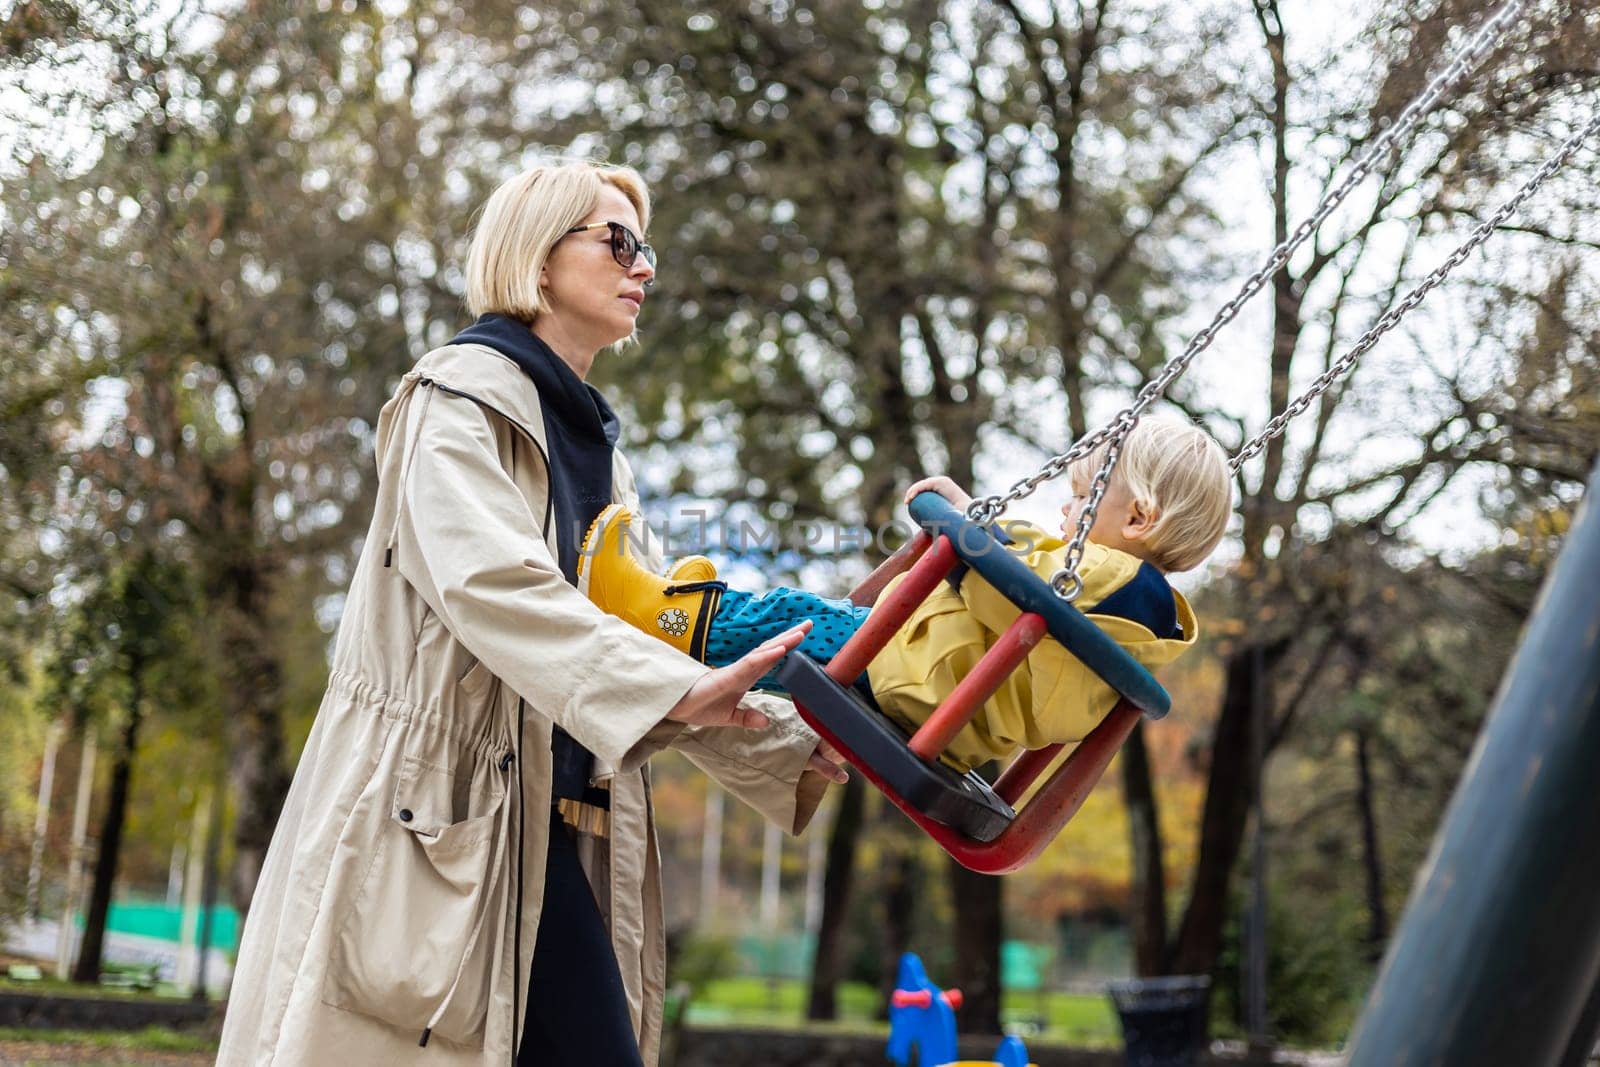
<point x="577" y="1008"/>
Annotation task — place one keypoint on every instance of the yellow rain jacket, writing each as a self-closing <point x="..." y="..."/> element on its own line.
<point x="1051" y="696"/>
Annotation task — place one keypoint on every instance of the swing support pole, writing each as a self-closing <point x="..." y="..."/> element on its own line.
<point x="1498" y="956"/>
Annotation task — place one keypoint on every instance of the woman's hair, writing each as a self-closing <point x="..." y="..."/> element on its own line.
<point x="524" y="218"/>
<point x="1174" y="468"/>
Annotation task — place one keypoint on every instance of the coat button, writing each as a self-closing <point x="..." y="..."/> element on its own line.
<point x="405" y="814"/>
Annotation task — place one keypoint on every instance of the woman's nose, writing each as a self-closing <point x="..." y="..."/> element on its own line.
<point x="642" y="271"/>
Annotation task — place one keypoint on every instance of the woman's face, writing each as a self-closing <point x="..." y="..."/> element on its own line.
<point x="593" y="301"/>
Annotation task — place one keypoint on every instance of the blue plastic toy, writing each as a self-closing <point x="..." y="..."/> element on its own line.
<point x="923" y="1016"/>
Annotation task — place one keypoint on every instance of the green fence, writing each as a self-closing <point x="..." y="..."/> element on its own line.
<point x="158" y="920"/>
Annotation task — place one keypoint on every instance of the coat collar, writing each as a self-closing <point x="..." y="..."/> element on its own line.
<point x="577" y="405"/>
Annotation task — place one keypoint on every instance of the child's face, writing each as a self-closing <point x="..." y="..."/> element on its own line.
<point x="1117" y="524"/>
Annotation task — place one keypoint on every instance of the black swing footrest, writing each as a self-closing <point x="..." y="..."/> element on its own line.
<point x="963" y="802"/>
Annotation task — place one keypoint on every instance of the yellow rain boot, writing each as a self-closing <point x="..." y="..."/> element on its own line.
<point x="677" y="609"/>
<point x="692" y="569"/>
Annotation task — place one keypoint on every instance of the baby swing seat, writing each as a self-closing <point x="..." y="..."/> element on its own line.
<point x="979" y="825"/>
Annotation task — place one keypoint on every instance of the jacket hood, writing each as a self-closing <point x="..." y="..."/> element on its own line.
<point x="484" y="374"/>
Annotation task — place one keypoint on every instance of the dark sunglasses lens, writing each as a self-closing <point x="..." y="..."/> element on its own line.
<point x="624" y="245"/>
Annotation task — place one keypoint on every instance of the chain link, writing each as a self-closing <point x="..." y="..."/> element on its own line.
<point x="986" y="509"/>
<point x="1389" y="319"/>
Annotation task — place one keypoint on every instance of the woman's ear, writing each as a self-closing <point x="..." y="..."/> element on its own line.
<point x="1140" y="520"/>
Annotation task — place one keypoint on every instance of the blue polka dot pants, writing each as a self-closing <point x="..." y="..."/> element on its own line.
<point x="746" y="621"/>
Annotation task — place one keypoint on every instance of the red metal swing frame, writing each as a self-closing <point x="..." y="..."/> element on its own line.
<point x="926" y="561"/>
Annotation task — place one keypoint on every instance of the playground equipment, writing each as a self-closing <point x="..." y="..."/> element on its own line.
<point x="1497" y="960"/>
<point x="979" y="825"/>
<point x="923" y="1017"/>
<point x="975" y="823"/>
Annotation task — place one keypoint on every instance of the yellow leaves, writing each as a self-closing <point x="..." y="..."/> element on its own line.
<point x="1090" y="864"/>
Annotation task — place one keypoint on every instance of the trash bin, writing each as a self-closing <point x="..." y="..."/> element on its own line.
<point x="1163" y="1019"/>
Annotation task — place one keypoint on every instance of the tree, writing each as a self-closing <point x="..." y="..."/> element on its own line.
<point x="1308" y="484"/>
<point x="126" y="647"/>
<point x="247" y="256"/>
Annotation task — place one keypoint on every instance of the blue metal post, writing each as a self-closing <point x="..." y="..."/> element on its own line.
<point x="1499" y="950"/>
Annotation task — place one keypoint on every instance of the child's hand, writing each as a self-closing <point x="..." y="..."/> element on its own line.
<point x="944" y="487"/>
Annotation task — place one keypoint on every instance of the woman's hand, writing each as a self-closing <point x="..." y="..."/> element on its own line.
<point x="827" y="762"/>
<point x="715" y="700"/>
<point x="944" y="487"/>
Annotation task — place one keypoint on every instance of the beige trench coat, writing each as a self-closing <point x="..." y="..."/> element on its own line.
<point x="404" y="884"/>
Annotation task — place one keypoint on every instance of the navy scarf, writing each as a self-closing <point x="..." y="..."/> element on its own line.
<point x="580" y="433"/>
<point x="580" y="430"/>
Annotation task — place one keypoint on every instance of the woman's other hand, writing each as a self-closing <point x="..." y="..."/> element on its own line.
<point x="944" y="487"/>
<point x="827" y="762"/>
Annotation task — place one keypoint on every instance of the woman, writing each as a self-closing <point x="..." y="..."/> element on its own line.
<point x="481" y="745"/>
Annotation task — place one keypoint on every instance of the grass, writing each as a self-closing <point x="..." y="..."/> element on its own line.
<point x="1068" y="1018"/>
<point x="150" y="1039"/>
<point x="60" y="987"/>
<point x="1062" y="1018"/>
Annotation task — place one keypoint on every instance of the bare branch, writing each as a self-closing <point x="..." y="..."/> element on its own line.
<point x="1157" y="206"/>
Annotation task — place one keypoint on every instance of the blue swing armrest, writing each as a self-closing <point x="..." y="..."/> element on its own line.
<point x="1000" y="567"/>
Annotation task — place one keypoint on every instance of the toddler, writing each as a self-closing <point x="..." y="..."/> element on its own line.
<point x="1164" y="510"/>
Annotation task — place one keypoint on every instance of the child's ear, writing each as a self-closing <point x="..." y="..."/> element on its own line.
<point x="1140" y="520"/>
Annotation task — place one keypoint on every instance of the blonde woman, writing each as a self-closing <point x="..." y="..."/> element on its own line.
<point x="465" y="871"/>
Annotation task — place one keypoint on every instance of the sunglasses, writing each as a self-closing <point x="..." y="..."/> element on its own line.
<point x="626" y="248"/>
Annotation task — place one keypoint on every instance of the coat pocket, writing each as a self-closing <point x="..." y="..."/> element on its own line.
<point x="416" y="948"/>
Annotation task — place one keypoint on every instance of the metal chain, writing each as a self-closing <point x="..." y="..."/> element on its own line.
<point x="986" y="509"/>
<point x="1390" y="318"/>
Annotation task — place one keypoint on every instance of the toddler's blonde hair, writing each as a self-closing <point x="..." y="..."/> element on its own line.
<point x="524" y="218"/>
<point x="1171" y="467"/>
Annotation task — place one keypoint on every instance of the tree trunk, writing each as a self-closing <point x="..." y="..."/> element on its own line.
<point x="41" y="820"/>
<point x="979" y="928"/>
<point x="1148" y="891"/>
<point x="711" y="855"/>
<point x="1071" y="287"/>
<point x="208" y="890"/>
<point x="80" y="833"/>
<point x="902" y="885"/>
<point x="90" y="950"/>
<point x="254" y="691"/>
<point x="1264" y="508"/>
<point x="1377" y="914"/>
<point x="1227" y="809"/>
<point x="826" y="963"/>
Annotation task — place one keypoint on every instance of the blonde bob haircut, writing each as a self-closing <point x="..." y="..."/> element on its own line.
<point x="524" y="218"/>
<point x="1176" y="470"/>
